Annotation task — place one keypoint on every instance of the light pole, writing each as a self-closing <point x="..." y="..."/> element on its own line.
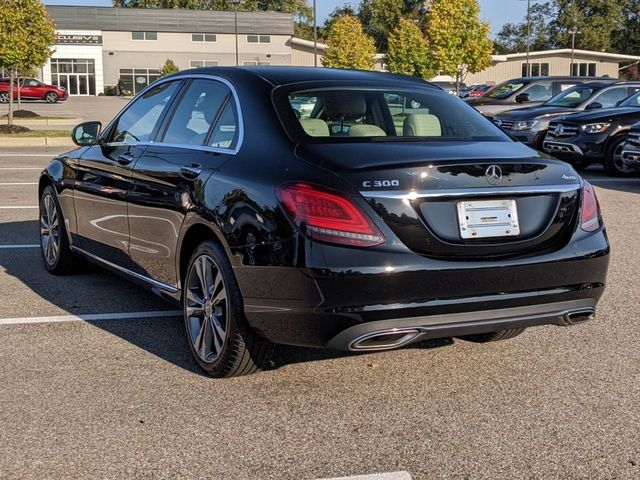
<point x="528" y="35"/>
<point x="315" y="34"/>
<point x="235" y="26"/>
<point x="573" y="33"/>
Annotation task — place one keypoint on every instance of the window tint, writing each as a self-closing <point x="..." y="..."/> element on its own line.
<point x="348" y="114"/>
<point x="609" y="98"/>
<point x="633" y="101"/>
<point x="504" y="90"/>
<point x="225" y="133"/>
<point x="540" y="91"/>
<point x="572" y="97"/>
<point x="197" y="111"/>
<point x="138" y="121"/>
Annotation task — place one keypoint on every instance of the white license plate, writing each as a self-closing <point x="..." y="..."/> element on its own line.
<point x="488" y="218"/>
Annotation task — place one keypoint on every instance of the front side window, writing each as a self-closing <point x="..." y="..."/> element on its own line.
<point x="139" y="121"/>
<point x="354" y="114"/>
<point x="609" y="98"/>
<point x="632" y="101"/>
<point x="199" y="108"/>
<point x="504" y="90"/>
<point x="540" y="91"/>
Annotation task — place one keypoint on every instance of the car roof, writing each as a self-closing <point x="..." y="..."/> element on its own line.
<point x="288" y="75"/>
<point x="537" y="79"/>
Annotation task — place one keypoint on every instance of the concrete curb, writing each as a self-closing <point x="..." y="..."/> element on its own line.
<point x="30" y="122"/>
<point x="36" y="142"/>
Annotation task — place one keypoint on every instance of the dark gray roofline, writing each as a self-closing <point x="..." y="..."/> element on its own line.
<point x="168" y="20"/>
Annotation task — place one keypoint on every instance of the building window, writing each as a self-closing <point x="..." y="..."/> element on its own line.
<point x="204" y="37"/>
<point x="258" y="38"/>
<point x="537" y="70"/>
<point x="203" y="63"/>
<point x="77" y="76"/>
<point x="135" y="80"/>
<point x="256" y="64"/>
<point x="144" y="35"/>
<point x="583" y="69"/>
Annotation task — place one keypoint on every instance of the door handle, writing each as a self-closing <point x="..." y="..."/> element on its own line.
<point x="191" y="172"/>
<point x="125" y="159"/>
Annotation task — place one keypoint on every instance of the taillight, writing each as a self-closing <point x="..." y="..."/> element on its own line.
<point x="328" y="216"/>
<point x="590" y="216"/>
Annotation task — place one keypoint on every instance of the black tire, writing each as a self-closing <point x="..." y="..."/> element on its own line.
<point x="4" y="97"/>
<point x="240" y="351"/>
<point x="493" y="336"/>
<point x="51" y="97"/>
<point x="63" y="261"/>
<point x="613" y="163"/>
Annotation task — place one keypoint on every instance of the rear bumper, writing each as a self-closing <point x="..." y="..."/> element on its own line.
<point x="357" y="292"/>
<point x="415" y="329"/>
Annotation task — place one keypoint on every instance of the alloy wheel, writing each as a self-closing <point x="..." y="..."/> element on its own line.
<point x="49" y="230"/>
<point x="51" y="97"/>
<point x="206" y="309"/>
<point x="618" y="162"/>
<point x="4" y="97"/>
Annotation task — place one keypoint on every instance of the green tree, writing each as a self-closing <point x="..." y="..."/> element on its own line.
<point x="458" y="39"/>
<point x="297" y="7"/>
<point x="26" y="37"/>
<point x="168" y="68"/>
<point x="512" y="37"/>
<point x="627" y="39"/>
<point x="349" y="46"/>
<point x="408" y="52"/>
<point x="597" y="21"/>
<point x="380" y="17"/>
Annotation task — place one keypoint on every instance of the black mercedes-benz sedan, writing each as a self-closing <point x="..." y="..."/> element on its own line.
<point x="384" y="212"/>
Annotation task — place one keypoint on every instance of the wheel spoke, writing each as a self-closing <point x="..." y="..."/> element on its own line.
<point x="195" y="298"/>
<point x="201" y="271"/>
<point x="217" y="327"/>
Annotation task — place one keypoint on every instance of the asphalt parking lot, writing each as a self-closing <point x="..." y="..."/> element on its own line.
<point x="97" y="381"/>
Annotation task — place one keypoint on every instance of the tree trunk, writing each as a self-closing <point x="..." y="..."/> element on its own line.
<point x="19" y="94"/>
<point x="12" y="79"/>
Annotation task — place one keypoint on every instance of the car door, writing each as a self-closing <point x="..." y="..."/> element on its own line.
<point x="198" y="135"/>
<point x="104" y="176"/>
<point x="29" y="88"/>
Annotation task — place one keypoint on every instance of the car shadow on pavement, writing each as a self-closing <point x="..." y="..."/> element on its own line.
<point x="96" y="291"/>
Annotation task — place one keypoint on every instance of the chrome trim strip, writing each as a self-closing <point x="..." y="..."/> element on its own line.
<point x="574" y="148"/>
<point x="470" y="192"/>
<point x="234" y="92"/>
<point x="155" y="283"/>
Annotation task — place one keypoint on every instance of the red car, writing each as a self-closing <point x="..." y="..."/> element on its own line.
<point x="479" y="90"/>
<point x="33" y="89"/>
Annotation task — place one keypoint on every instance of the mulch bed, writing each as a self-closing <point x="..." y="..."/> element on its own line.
<point x="23" y="114"/>
<point x="13" y="129"/>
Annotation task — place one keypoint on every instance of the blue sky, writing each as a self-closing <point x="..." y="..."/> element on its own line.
<point x="493" y="11"/>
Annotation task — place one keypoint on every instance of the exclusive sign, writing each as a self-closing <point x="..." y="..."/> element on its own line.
<point x="64" y="39"/>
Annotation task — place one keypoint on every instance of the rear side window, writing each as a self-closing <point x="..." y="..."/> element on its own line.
<point x="540" y="91"/>
<point x="225" y="133"/>
<point x="353" y="114"/>
<point x="196" y="113"/>
<point x="139" y="121"/>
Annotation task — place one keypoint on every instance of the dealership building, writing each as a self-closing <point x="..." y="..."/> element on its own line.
<point x="98" y="46"/>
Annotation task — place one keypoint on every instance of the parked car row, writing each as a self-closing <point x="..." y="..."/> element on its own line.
<point x="32" y="89"/>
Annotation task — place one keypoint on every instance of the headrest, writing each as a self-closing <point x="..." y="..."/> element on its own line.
<point x="315" y="127"/>
<point x="421" y="125"/>
<point x="345" y="105"/>
<point x="366" y="131"/>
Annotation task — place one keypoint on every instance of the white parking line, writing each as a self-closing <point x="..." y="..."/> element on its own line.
<point x="17" y="183"/>
<point x="9" y="247"/>
<point x="98" y="317"/>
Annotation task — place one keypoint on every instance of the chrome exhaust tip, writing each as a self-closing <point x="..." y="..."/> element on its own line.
<point x="579" y="316"/>
<point x="384" y="339"/>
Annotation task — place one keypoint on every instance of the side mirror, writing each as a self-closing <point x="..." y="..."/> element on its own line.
<point x="86" y="133"/>
<point x="523" y="98"/>
<point x="593" y="105"/>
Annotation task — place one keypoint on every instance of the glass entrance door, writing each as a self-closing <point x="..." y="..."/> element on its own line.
<point x="77" y="76"/>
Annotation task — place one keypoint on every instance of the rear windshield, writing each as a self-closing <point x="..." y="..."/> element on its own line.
<point x="572" y="97"/>
<point x="377" y="114"/>
<point x="504" y="90"/>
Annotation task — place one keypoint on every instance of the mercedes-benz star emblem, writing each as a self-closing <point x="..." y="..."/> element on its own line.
<point x="559" y="130"/>
<point x="493" y="174"/>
